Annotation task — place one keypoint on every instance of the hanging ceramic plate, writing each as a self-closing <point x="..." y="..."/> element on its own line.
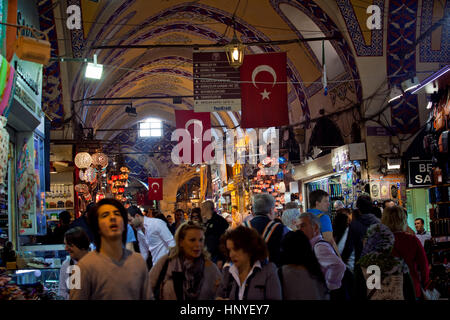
<point x="82" y="176"/>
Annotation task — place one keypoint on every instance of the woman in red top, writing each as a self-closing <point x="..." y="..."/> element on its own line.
<point x="407" y="247"/>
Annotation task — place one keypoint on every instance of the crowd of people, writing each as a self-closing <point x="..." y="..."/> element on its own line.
<point x="262" y="256"/>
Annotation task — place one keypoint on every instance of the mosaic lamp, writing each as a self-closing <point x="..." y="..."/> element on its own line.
<point x="83" y="160"/>
<point x="100" y="160"/>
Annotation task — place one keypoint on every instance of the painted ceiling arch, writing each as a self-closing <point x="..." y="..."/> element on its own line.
<point x="198" y="10"/>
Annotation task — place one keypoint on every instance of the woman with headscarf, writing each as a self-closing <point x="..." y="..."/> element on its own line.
<point x="395" y="282"/>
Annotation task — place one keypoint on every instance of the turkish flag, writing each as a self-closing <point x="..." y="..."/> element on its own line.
<point x="264" y="90"/>
<point x="155" y="188"/>
<point x="197" y="136"/>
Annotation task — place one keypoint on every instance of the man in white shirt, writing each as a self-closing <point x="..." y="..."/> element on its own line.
<point x="421" y="234"/>
<point x="155" y="237"/>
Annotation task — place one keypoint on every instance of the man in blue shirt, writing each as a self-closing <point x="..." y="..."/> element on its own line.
<point x="319" y="203"/>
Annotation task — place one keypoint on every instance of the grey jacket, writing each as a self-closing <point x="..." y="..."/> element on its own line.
<point x="263" y="284"/>
<point x="298" y="284"/>
<point x="208" y="289"/>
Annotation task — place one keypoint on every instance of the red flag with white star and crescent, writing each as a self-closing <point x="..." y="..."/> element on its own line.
<point x="264" y="90"/>
<point x="197" y="124"/>
<point x="155" y="188"/>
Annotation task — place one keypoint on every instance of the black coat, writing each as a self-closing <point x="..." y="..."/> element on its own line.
<point x="215" y="228"/>
<point x="357" y="230"/>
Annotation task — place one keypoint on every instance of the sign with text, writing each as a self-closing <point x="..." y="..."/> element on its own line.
<point x="419" y="173"/>
<point x="216" y="83"/>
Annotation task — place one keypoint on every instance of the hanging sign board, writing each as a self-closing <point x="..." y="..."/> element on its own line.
<point x="419" y="173"/>
<point x="216" y="83"/>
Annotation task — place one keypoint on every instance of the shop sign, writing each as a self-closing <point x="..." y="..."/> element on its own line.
<point x="419" y="173"/>
<point x="216" y="83"/>
<point x="29" y="74"/>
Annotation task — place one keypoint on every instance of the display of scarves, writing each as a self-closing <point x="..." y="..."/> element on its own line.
<point x="26" y="178"/>
<point x="7" y="86"/>
<point x="4" y="150"/>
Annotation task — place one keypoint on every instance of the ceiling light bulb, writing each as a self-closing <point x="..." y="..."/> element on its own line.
<point x="236" y="54"/>
<point x="94" y="71"/>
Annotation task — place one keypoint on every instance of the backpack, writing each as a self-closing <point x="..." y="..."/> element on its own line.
<point x="268" y="230"/>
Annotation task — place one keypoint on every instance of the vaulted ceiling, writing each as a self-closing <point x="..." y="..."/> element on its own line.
<point x="168" y="71"/>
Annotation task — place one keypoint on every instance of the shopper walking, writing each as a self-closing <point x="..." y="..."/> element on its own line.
<point x="331" y="264"/>
<point x="407" y="247"/>
<point x="300" y="275"/>
<point x="421" y="234"/>
<point x="179" y="219"/>
<point x="319" y="205"/>
<point x="358" y="227"/>
<point x="77" y="246"/>
<point x="82" y="222"/>
<point x="158" y="238"/>
<point x="289" y="218"/>
<point x="395" y="282"/>
<point x="215" y="227"/>
<point x="186" y="273"/>
<point x="111" y="272"/>
<point x="249" y="276"/>
<point x="270" y="231"/>
<point x="196" y="216"/>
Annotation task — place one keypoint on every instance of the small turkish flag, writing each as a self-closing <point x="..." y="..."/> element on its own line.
<point x="197" y="136"/>
<point x="264" y="90"/>
<point x="155" y="188"/>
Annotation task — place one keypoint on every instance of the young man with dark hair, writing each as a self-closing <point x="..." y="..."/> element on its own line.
<point x="319" y="204"/>
<point x="111" y="272"/>
<point x="157" y="237"/>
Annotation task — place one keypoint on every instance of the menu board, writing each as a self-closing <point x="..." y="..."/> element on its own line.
<point x="216" y="83"/>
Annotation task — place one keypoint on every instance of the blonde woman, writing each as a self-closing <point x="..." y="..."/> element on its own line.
<point x="407" y="247"/>
<point x="186" y="273"/>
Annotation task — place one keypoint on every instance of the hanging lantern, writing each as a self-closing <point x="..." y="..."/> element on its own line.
<point x="99" y="196"/>
<point x="124" y="169"/>
<point x="83" y="160"/>
<point x="100" y="160"/>
<point x="81" y="188"/>
<point x="235" y="52"/>
<point x="113" y="178"/>
<point x="90" y="174"/>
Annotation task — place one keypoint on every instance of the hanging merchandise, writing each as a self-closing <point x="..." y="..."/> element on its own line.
<point x="4" y="150"/>
<point x="100" y="160"/>
<point x="83" y="160"/>
<point x="7" y="86"/>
